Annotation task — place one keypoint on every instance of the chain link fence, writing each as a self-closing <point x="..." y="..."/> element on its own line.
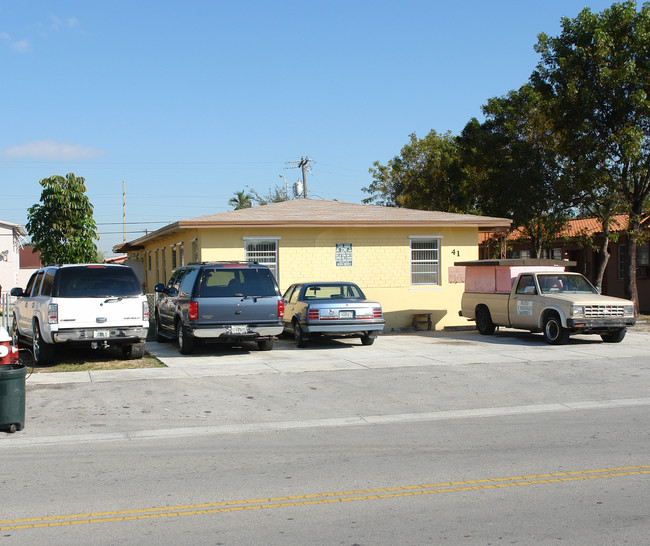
<point x="7" y="304"/>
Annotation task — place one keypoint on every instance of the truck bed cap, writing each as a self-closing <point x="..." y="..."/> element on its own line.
<point x="517" y="262"/>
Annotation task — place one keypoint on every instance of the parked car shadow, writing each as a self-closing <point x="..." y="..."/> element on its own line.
<point x="523" y="337"/>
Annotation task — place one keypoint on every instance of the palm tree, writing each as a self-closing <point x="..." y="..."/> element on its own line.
<point x="241" y="200"/>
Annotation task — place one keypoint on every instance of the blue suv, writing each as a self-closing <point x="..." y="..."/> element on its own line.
<point x="222" y="302"/>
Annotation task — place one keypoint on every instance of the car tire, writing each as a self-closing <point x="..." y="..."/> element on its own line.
<point x="185" y="340"/>
<point x="265" y="344"/>
<point x="554" y="332"/>
<point x="615" y="336"/>
<point x="133" y="351"/>
<point x="484" y="323"/>
<point x="299" y="336"/>
<point x="160" y="338"/>
<point x="43" y="352"/>
<point x="15" y="335"/>
<point x="367" y="339"/>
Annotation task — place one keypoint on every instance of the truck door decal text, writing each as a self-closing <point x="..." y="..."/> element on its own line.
<point x="525" y="308"/>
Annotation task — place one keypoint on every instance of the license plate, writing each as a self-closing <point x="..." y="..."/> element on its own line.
<point x="238" y="329"/>
<point x="346" y="314"/>
<point x="101" y="334"/>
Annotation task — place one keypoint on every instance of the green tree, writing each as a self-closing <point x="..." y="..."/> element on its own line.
<point x="241" y="200"/>
<point x="512" y="159"/>
<point x="62" y="226"/>
<point x="597" y="72"/>
<point x="426" y="175"/>
<point x="276" y="194"/>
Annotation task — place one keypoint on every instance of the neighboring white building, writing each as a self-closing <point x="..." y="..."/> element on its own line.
<point x="10" y="235"/>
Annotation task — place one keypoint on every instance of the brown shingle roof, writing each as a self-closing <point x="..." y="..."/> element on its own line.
<point x="320" y="212"/>
<point x="316" y="212"/>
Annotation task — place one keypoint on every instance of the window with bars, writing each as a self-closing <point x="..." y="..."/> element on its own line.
<point x="425" y="261"/>
<point x="264" y="252"/>
<point x="641" y="261"/>
<point x="163" y="266"/>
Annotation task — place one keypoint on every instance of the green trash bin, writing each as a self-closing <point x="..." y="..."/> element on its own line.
<point x="12" y="397"/>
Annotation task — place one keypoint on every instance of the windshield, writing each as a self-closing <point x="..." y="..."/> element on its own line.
<point x="561" y="283"/>
<point x="97" y="282"/>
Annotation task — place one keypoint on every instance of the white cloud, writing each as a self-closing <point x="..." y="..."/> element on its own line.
<point x="52" y="150"/>
<point x="57" y="24"/>
<point x="66" y="22"/>
<point x="20" y="46"/>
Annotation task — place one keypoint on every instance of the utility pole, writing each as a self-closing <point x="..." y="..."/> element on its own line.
<point x="303" y="164"/>
<point x="123" y="212"/>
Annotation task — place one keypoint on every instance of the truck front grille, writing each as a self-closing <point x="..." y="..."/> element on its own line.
<point x="592" y="311"/>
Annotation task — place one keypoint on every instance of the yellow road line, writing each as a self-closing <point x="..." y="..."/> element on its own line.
<point x="320" y="498"/>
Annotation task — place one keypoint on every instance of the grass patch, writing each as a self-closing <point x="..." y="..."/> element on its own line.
<point x="82" y="359"/>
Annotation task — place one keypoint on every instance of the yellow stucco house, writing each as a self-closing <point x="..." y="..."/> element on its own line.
<point x="402" y="258"/>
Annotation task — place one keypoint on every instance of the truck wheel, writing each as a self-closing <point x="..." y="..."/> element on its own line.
<point x="133" y="351"/>
<point x="484" y="323"/>
<point x="616" y="336"/>
<point x="299" y="335"/>
<point x="43" y="352"/>
<point x="185" y="340"/>
<point x="554" y="332"/>
<point x="265" y="344"/>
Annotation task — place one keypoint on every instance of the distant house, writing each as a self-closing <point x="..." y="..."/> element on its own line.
<point x="404" y="258"/>
<point x="10" y="255"/>
<point x="571" y="245"/>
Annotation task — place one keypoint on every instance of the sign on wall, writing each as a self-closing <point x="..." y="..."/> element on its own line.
<point x="343" y="254"/>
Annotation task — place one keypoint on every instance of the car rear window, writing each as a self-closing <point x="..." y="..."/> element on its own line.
<point x="327" y="291"/>
<point x="97" y="282"/>
<point x="223" y="283"/>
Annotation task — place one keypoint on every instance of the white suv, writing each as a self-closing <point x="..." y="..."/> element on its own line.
<point x="90" y="304"/>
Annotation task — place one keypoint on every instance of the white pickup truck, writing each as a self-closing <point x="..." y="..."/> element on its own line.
<point x="540" y="296"/>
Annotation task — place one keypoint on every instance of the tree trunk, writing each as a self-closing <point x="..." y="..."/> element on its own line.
<point x="603" y="257"/>
<point x="633" y="229"/>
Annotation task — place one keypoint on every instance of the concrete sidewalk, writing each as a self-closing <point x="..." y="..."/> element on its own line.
<point x="401" y="378"/>
<point x="389" y="351"/>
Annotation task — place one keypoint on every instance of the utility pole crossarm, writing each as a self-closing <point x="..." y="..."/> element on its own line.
<point x="302" y="164"/>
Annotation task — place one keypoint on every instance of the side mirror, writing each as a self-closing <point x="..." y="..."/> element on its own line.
<point x="17" y="292"/>
<point x="159" y="287"/>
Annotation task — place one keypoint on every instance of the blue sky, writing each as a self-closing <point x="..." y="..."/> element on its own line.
<point x="189" y="102"/>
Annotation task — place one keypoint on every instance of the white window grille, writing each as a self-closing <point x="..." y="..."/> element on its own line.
<point x="263" y="251"/>
<point x="425" y="261"/>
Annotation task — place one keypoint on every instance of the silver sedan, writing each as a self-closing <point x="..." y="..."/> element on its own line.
<point x="336" y="309"/>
